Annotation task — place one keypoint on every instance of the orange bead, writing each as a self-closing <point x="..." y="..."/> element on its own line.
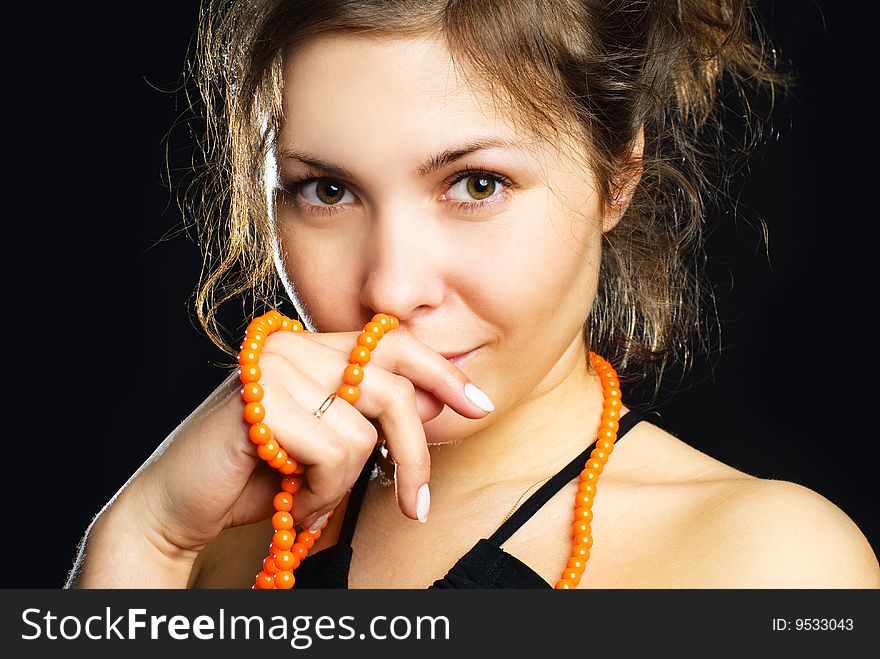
<point x="587" y="488"/>
<point x="608" y="424"/>
<point x="581" y="526"/>
<point x="580" y="551"/>
<point x="353" y="374"/>
<point x="349" y="393"/>
<point x="283" y="539"/>
<point x="273" y="550"/>
<point x="582" y="499"/>
<point x="610" y="383"/>
<point x="299" y="550"/>
<point x="564" y="584"/>
<point x="589" y="476"/>
<point x="383" y="320"/>
<point x="359" y="355"/>
<point x="290" y="465"/>
<point x="250" y="344"/>
<point x="394" y="322"/>
<point x="571" y="574"/>
<point x="606" y="435"/>
<point x="583" y="513"/>
<point x="254" y="412"/>
<point x="269" y="566"/>
<point x="256" y="326"/>
<point x="291" y="484"/>
<point x="300" y="469"/>
<point x="249" y="373"/>
<point x="265" y="581"/>
<point x="583" y="540"/>
<point x="268" y="450"/>
<point x="606" y="445"/>
<point x="282" y="520"/>
<point x="306" y="539"/>
<point x="283" y="501"/>
<point x="257" y="336"/>
<point x="599" y="455"/>
<point x="576" y="563"/>
<point x="279" y="460"/>
<point x="248" y="357"/>
<point x="296" y="326"/>
<point x="611" y="413"/>
<point x="375" y="329"/>
<point x="285" y="560"/>
<point x="368" y="341"/>
<point x="612" y="393"/>
<point x="259" y="433"/>
<point x="252" y="392"/>
<point x="284" y="580"/>
<point x="594" y="465"/>
<point x="612" y="404"/>
<point x="286" y="324"/>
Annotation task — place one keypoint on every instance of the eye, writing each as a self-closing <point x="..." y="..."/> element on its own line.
<point x="316" y="194"/>
<point x="326" y="191"/>
<point x="475" y="189"/>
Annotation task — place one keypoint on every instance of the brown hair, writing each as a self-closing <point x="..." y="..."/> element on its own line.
<point x="599" y="70"/>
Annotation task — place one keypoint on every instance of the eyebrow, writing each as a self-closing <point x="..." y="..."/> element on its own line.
<point x="430" y="165"/>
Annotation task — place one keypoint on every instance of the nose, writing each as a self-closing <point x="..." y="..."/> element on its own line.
<point x="404" y="273"/>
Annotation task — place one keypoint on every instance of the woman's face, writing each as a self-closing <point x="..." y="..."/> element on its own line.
<point x="503" y="261"/>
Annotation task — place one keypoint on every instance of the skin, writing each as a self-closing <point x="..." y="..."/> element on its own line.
<point x="513" y="280"/>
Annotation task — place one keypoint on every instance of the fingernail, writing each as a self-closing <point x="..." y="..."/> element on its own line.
<point x="424" y="503"/>
<point x="478" y="397"/>
<point x="318" y="522"/>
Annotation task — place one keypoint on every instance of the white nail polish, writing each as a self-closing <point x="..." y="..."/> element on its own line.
<point x="478" y="397"/>
<point x="317" y="523"/>
<point x="424" y="503"/>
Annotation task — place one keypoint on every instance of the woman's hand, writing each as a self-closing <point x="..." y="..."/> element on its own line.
<point x="206" y="476"/>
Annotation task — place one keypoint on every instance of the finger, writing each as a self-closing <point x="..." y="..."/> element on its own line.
<point x="428" y="370"/>
<point x="334" y="448"/>
<point x="324" y="485"/>
<point x="326" y="363"/>
<point x="405" y="440"/>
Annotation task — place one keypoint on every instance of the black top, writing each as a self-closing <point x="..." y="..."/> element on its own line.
<point x="486" y="565"/>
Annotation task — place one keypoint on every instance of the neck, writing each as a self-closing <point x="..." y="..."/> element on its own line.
<point x="534" y="438"/>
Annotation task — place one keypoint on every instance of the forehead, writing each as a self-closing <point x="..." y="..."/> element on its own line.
<point x="362" y="101"/>
<point x="373" y="94"/>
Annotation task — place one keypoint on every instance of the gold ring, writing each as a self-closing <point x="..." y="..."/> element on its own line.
<point x="326" y="404"/>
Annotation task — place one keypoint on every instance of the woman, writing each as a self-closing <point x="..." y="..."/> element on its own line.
<point x="551" y="169"/>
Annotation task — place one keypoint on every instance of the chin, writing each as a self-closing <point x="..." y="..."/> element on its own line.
<point x="448" y="427"/>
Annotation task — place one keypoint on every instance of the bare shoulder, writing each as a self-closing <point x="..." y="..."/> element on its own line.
<point x="779" y="534"/>
<point x="735" y="530"/>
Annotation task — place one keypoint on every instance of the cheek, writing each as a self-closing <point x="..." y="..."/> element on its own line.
<point x="321" y="280"/>
<point x="545" y="269"/>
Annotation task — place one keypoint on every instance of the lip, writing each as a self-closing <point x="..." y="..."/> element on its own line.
<point x="456" y="357"/>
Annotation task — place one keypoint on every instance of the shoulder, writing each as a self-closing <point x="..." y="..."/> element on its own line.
<point x="779" y="534"/>
<point x="735" y="530"/>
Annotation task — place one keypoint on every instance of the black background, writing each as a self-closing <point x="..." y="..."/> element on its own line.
<point x="106" y="357"/>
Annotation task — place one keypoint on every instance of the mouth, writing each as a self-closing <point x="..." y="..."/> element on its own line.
<point x="457" y="357"/>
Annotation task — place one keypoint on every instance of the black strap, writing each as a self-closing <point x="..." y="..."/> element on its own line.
<point x="354" y="501"/>
<point x="524" y="512"/>
<point x="562" y="478"/>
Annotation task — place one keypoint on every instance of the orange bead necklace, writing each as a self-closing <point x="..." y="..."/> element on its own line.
<point x="288" y="549"/>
